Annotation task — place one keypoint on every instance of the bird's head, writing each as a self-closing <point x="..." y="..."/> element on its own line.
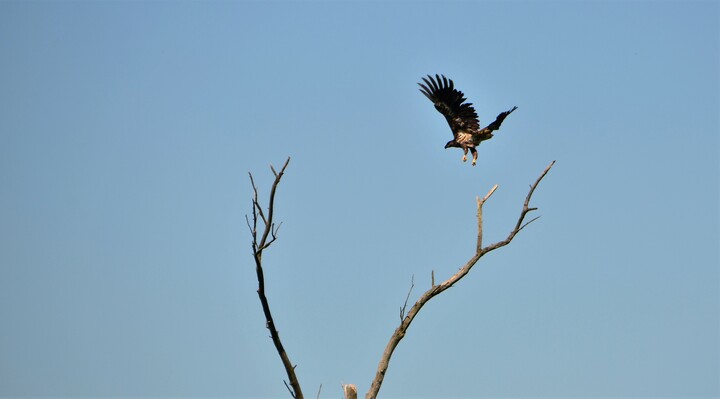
<point x="452" y="143"/>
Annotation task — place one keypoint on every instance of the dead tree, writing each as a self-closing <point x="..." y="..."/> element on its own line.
<point x="436" y="290"/>
<point x="261" y="240"/>
<point x="269" y="234"/>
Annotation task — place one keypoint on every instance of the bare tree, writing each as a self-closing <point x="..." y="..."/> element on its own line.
<point x="266" y="238"/>
<point x="269" y="235"/>
<point x="435" y="290"/>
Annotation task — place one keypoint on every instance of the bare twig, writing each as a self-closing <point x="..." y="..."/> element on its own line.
<point x="268" y="236"/>
<point x="289" y="389"/>
<point x="523" y="213"/>
<point x="437" y="289"/>
<point x="480" y="203"/>
<point x="402" y="309"/>
<point x="318" y="394"/>
<point x="256" y="205"/>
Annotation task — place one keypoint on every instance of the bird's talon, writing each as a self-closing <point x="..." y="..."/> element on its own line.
<point x="464" y="158"/>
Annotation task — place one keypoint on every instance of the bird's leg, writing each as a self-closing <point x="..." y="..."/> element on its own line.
<point x="474" y="154"/>
<point x="464" y="158"/>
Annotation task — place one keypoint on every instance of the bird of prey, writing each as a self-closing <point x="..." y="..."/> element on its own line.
<point x="461" y="116"/>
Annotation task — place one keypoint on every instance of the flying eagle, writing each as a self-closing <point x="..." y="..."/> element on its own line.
<point x="461" y="116"/>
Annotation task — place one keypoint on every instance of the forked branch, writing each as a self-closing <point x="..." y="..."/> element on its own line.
<point x="437" y="289"/>
<point x="261" y="240"/>
<point x="521" y="223"/>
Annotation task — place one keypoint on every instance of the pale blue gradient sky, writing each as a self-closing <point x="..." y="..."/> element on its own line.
<point x="127" y="130"/>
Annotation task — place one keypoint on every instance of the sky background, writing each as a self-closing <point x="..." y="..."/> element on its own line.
<point x="127" y="130"/>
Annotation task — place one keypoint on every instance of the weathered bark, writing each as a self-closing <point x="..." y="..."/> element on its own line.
<point x="350" y="391"/>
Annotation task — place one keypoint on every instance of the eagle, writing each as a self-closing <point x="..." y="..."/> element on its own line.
<point x="460" y="115"/>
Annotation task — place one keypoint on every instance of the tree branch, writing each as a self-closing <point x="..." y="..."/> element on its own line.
<point x="438" y="289"/>
<point x="480" y="203"/>
<point x="525" y="210"/>
<point x="268" y="236"/>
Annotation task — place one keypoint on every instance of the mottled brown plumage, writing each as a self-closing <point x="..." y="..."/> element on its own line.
<point x="461" y="116"/>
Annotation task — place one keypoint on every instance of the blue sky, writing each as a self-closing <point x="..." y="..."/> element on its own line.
<point x="127" y="130"/>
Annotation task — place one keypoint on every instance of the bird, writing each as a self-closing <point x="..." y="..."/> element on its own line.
<point x="460" y="115"/>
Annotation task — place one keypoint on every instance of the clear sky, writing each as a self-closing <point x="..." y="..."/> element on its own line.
<point x="127" y="130"/>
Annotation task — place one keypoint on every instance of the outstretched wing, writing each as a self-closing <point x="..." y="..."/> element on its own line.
<point x="450" y="102"/>
<point x="499" y="120"/>
<point x="486" y="132"/>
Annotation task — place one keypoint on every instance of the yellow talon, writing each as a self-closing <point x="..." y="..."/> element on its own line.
<point x="464" y="158"/>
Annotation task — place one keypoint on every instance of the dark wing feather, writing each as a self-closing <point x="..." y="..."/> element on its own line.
<point x="450" y="102"/>
<point x="499" y="120"/>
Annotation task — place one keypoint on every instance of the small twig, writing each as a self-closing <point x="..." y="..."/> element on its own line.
<point x="318" y="394"/>
<point x="492" y="190"/>
<point x="480" y="203"/>
<point x="256" y="204"/>
<point x="276" y="229"/>
<point x="530" y="221"/>
<point x="247" y="220"/>
<point x="402" y="309"/>
<point x="288" y="388"/>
